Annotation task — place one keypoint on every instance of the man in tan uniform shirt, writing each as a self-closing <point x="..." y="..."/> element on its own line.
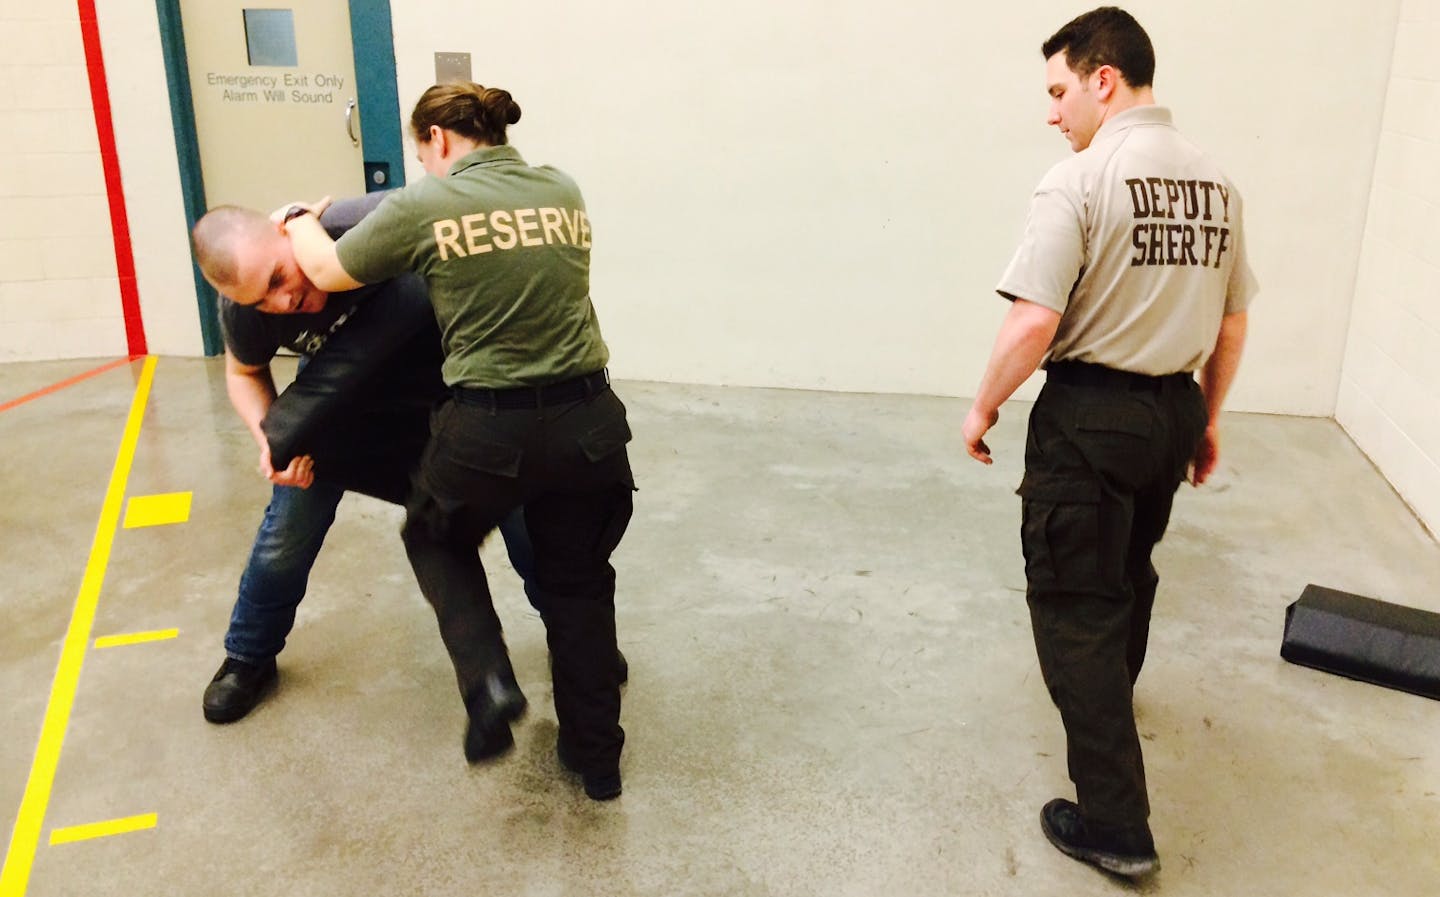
<point x="1130" y="276"/>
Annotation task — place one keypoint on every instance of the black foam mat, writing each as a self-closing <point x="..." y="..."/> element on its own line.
<point x="1364" y="638"/>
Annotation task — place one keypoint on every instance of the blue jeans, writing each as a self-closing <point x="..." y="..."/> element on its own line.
<point x="289" y="539"/>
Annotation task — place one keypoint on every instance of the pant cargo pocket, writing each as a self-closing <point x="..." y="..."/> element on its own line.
<point x="1060" y="530"/>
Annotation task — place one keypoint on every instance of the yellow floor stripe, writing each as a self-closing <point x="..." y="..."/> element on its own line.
<point x="157" y="510"/>
<point x="135" y="638"/>
<point x="102" y="829"/>
<point x="25" y="837"/>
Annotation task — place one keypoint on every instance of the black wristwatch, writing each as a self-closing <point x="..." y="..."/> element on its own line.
<point x="294" y="212"/>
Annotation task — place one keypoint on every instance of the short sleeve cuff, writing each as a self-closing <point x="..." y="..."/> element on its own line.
<point x="378" y="247"/>
<point x="1052" y="249"/>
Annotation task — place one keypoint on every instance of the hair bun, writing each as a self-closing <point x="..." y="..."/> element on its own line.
<point x="499" y="106"/>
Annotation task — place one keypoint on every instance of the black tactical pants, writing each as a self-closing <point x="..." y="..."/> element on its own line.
<point x="1102" y="463"/>
<point x="566" y="463"/>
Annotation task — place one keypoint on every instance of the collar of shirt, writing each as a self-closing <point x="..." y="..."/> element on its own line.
<point x="486" y="155"/>
<point x="1148" y="114"/>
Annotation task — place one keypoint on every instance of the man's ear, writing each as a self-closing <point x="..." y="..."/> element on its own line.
<point x="1106" y="79"/>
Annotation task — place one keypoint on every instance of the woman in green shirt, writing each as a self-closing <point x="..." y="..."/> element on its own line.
<point x="505" y="250"/>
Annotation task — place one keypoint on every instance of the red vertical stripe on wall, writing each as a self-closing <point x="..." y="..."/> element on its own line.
<point x="110" y="161"/>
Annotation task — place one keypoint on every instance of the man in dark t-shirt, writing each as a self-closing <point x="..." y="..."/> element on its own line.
<point x="356" y="418"/>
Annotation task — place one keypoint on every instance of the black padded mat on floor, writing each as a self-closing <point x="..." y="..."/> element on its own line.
<point x="1366" y="639"/>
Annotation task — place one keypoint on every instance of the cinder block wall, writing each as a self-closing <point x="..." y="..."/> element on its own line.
<point x="59" y="290"/>
<point x="1389" y="398"/>
<point x="59" y="294"/>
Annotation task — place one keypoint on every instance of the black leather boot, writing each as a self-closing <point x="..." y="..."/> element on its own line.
<point x="236" y="689"/>
<point x="497" y="704"/>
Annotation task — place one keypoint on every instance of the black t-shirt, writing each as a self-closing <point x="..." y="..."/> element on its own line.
<point x="255" y="337"/>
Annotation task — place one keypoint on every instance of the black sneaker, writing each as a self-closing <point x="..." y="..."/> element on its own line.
<point x="236" y="689"/>
<point x="598" y="786"/>
<point x="1123" y="850"/>
<point x="498" y="704"/>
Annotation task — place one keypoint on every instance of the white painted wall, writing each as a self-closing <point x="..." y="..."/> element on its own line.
<point x="59" y="295"/>
<point x="822" y="194"/>
<point x="1389" y="398"/>
<point x="807" y="194"/>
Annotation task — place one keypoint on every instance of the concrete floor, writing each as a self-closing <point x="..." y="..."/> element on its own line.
<point x="833" y="688"/>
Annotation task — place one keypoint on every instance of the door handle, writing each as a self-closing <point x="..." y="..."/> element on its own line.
<point x="350" y="120"/>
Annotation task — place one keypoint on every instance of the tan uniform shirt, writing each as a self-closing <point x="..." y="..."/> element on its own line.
<point x="1137" y="242"/>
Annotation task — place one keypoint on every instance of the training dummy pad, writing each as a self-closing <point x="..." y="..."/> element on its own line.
<point x="1362" y="638"/>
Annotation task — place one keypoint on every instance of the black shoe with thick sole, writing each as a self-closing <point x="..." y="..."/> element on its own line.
<point x="236" y="689"/>
<point x="598" y="786"/>
<point x="498" y="704"/>
<point x="1122" y="850"/>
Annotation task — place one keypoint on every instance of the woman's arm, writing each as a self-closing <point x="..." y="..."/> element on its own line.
<point x="315" y="253"/>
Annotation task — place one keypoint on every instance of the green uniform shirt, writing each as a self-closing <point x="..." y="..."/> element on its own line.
<point x="1138" y="242"/>
<point x="505" y="250"/>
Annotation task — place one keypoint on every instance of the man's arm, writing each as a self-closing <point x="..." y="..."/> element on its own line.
<point x="252" y="392"/>
<point x="1025" y="335"/>
<point x="343" y="214"/>
<point x="1215" y="380"/>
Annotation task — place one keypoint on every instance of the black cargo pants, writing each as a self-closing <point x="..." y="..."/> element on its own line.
<point x="566" y="463"/>
<point x="1102" y="463"/>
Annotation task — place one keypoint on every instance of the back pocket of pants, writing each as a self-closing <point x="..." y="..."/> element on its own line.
<point x="606" y="439"/>
<point x="1118" y="442"/>
<point x="496" y="458"/>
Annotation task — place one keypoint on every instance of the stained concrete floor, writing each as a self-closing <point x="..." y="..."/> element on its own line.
<point x="833" y="689"/>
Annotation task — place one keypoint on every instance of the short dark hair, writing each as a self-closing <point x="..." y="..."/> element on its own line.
<point x="217" y="235"/>
<point x="1105" y="36"/>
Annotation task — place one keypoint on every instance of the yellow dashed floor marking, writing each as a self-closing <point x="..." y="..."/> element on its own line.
<point x="135" y="638"/>
<point x="157" y="510"/>
<point x="102" y="829"/>
<point x="25" y="836"/>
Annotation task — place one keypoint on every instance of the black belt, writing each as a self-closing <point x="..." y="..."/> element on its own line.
<point x="575" y="389"/>
<point x="1082" y="373"/>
